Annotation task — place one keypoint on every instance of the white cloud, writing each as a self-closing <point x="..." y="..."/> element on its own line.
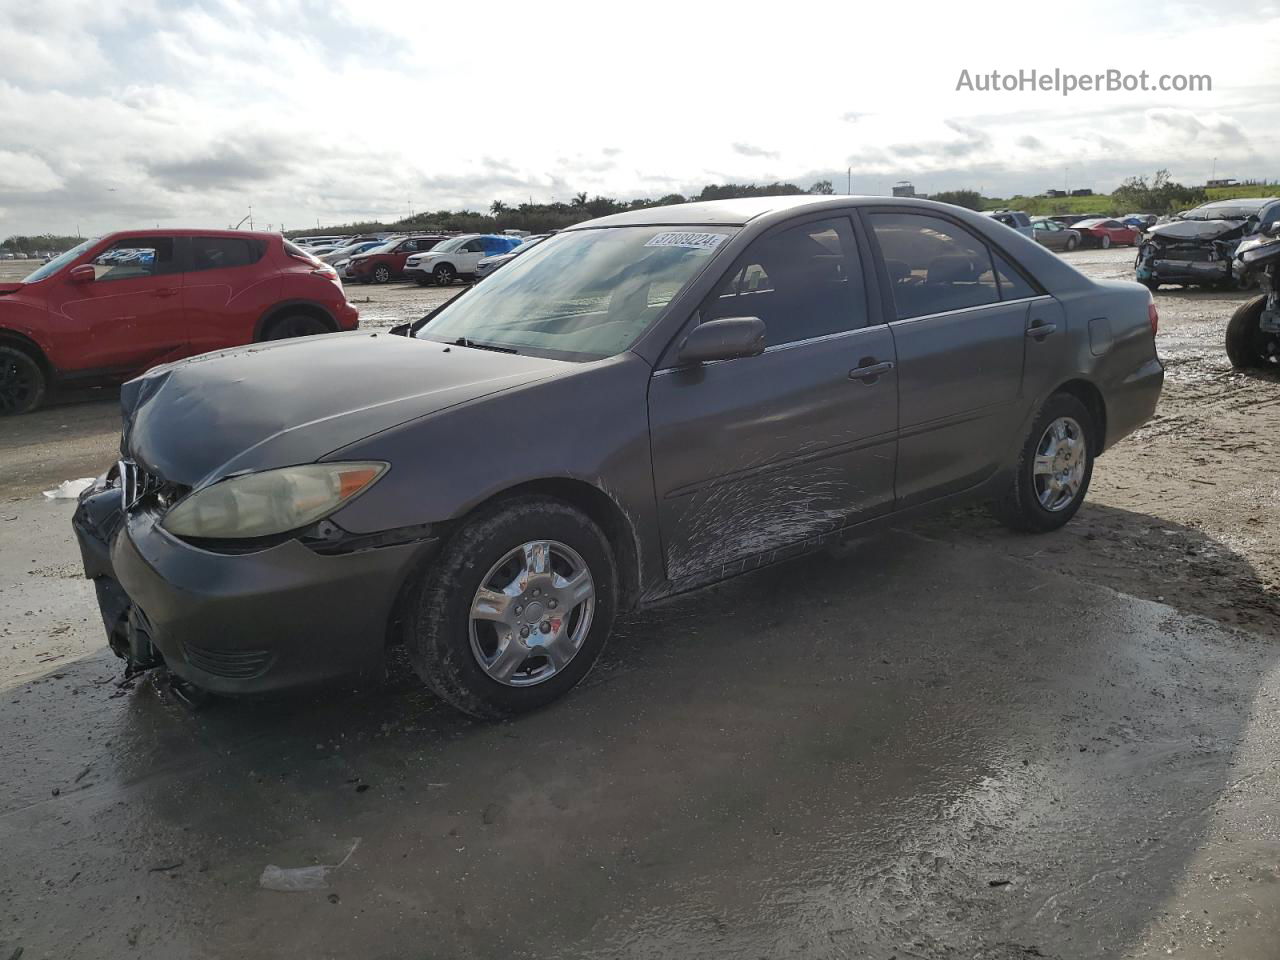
<point x="117" y="115"/>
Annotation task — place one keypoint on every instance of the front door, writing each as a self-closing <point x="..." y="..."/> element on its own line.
<point x="759" y="456"/>
<point x="131" y="312"/>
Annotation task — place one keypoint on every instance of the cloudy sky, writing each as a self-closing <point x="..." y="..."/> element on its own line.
<point x="128" y="114"/>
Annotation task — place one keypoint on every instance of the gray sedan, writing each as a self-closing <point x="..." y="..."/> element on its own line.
<point x="1054" y="235"/>
<point x="638" y="406"/>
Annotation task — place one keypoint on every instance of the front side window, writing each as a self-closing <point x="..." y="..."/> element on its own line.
<point x="580" y="295"/>
<point x="473" y="246"/>
<point x="133" y="257"/>
<point x="933" y="264"/>
<point x="803" y="282"/>
<point x="222" y="253"/>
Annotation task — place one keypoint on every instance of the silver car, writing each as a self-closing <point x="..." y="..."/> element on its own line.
<point x="1052" y="234"/>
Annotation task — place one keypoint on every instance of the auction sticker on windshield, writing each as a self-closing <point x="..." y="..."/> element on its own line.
<point x="693" y="241"/>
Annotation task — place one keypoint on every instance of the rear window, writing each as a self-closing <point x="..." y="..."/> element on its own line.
<point x="222" y="253"/>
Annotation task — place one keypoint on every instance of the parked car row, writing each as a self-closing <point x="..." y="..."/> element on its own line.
<point x="738" y="382"/>
<point x="119" y="304"/>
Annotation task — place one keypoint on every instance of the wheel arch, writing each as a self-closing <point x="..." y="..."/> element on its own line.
<point x="287" y="307"/>
<point x="12" y="338"/>
<point x="1088" y="393"/>
<point x="603" y="510"/>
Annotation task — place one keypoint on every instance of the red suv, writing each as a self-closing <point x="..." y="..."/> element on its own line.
<point x="120" y="304"/>
<point x="386" y="262"/>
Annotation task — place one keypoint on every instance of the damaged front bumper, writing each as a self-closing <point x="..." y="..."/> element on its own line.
<point x="277" y="618"/>
<point x="1157" y="270"/>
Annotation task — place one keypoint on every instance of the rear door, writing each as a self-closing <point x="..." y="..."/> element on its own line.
<point x="226" y="290"/>
<point x="961" y="315"/>
<point x="131" y="314"/>
<point x="760" y="455"/>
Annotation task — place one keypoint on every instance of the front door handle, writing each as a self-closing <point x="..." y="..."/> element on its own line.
<point x="868" y="370"/>
<point x="1040" y="329"/>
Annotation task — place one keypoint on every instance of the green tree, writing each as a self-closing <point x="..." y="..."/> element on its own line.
<point x="969" y="199"/>
<point x="823" y="187"/>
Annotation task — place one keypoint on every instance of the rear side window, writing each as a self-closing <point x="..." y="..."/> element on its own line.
<point x="803" y="282"/>
<point x="132" y="257"/>
<point x="933" y="264"/>
<point x="222" y="253"/>
<point x="1013" y="285"/>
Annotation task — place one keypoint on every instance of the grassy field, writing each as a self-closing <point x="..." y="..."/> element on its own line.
<point x="1251" y="190"/>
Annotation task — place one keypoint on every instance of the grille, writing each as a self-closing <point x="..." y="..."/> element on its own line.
<point x="138" y="484"/>
<point x="231" y="664"/>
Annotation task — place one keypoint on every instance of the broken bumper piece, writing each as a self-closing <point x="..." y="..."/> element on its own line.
<point x="1186" y="271"/>
<point x="273" y="619"/>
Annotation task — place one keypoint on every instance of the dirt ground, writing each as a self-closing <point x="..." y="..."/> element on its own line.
<point x="944" y="742"/>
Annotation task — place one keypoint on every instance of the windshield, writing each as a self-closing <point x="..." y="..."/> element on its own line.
<point x="581" y="295"/>
<point x="1224" y="211"/>
<point x="60" y="261"/>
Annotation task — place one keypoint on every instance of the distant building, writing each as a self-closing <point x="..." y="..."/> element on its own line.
<point x="904" y="188"/>
<point x="1083" y="192"/>
<point x="1055" y="193"/>
<point x="1222" y="182"/>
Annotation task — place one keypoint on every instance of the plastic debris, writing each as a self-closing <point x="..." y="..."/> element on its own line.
<point x="69" y="489"/>
<point x="297" y="879"/>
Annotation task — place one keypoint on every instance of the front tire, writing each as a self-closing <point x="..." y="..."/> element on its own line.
<point x="381" y="273"/>
<point x="444" y="275"/>
<point x="1054" y="468"/>
<point x="1248" y="345"/>
<point x="517" y="609"/>
<point x="22" y="381"/>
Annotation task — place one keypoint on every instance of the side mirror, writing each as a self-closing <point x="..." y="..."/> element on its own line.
<point x="1273" y="229"/>
<point x="726" y="339"/>
<point x="85" y="273"/>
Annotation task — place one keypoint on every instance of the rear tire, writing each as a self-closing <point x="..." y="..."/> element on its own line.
<point x="1072" y="243"/>
<point x="1033" y="502"/>
<point x="22" y="381"/>
<point x="295" y="325"/>
<point x="1247" y="342"/>
<point x="448" y="643"/>
<point x="1152" y="285"/>
<point x="1105" y="241"/>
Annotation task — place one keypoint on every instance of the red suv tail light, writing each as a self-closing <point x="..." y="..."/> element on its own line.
<point x="326" y="271"/>
<point x="1153" y="315"/>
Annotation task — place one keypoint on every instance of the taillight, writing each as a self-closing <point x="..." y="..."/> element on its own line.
<point x="326" y="271"/>
<point x="1153" y="315"/>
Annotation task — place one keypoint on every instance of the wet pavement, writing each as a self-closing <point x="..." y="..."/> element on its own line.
<point x="904" y="749"/>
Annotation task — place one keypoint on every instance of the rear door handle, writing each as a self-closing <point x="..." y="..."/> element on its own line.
<point x="1039" y="329"/>
<point x="165" y="292"/>
<point x="870" y="370"/>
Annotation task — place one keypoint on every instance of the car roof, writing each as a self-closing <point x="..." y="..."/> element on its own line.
<point x="191" y="232"/>
<point x="735" y="212"/>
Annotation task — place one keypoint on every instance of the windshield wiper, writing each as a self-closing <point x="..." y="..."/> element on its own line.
<point x="464" y="342"/>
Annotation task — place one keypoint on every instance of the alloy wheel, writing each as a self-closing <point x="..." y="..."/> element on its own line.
<point x="1062" y="455"/>
<point x="381" y="274"/>
<point x="531" y="613"/>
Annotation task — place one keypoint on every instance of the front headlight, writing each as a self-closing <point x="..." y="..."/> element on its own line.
<point x="271" y="502"/>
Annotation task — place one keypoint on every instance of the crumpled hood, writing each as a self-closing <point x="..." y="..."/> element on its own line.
<point x="1196" y="229"/>
<point x="293" y="401"/>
